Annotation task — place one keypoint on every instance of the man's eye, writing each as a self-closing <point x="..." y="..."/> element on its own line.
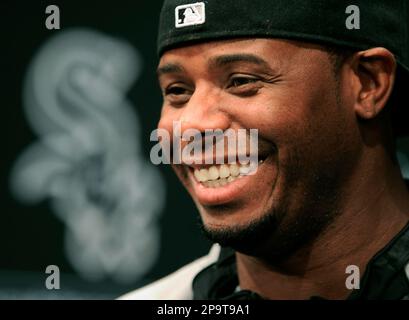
<point x="177" y="95"/>
<point x="244" y="86"/>
<point x="241" y="81"/>
<point x="175" y="91"/>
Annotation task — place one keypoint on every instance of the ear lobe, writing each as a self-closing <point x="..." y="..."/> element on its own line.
<point x="366" y="106"/>
<point x="375" y="69"/>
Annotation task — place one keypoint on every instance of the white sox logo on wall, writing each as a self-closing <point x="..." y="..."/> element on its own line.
<point x="190" y="14"/>
<point x="88" y="160"/>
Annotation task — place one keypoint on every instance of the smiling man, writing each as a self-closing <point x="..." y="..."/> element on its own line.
<point x="328" y="193"/>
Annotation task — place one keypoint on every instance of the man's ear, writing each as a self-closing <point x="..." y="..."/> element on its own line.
<point x="375" y="71"/>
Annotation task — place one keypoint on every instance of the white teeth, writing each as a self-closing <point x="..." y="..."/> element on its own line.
<point x="217" y="176"/>
<point x="204" y="175"/>
<point x="224" y="171"/>
<point x="218" y="183"/>
<point x="234" y="170"/>
<point x="211" y="184"/>
<point x="213" y="173"/>
<point x="198" y="176"/>
<point x="223" y="182"/>
<point x="244" y="170"/>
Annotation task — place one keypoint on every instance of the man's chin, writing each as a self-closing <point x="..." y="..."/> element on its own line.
<point x="270" y="237"/>
<point x="248" y="238"/>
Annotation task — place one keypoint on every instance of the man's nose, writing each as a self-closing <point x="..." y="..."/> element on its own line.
<point x="204" y="111"/>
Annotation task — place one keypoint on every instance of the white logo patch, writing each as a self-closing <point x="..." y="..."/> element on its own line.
<point x="190" y="14"/>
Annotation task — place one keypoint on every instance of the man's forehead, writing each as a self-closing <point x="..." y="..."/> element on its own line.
<point x="272" y="55"/>
<point x="209" y="51"/>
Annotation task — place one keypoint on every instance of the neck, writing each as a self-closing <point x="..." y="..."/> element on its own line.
<point x="375" y="207"/>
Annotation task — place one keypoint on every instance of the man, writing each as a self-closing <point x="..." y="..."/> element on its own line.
<point x="328" y="199"/>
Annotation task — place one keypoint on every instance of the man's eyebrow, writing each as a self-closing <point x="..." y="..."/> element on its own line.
<point x="169" y="68"/>
<point x="223" y="60"/>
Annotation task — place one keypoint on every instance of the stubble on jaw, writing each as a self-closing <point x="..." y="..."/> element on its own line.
<point x="279" y="233"/>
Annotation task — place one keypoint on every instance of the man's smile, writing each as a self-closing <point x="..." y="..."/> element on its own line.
<point x="221" y="184"/>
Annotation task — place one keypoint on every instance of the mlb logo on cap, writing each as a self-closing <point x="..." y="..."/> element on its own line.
<point x="190" y="14"/>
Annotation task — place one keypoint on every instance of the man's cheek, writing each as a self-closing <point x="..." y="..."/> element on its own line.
<point x="180" y="172"/>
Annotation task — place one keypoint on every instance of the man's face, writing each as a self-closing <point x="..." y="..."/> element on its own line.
<point x="306" y="129"/>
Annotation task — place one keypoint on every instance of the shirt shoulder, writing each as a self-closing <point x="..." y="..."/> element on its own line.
<point x="177" y="285"/>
